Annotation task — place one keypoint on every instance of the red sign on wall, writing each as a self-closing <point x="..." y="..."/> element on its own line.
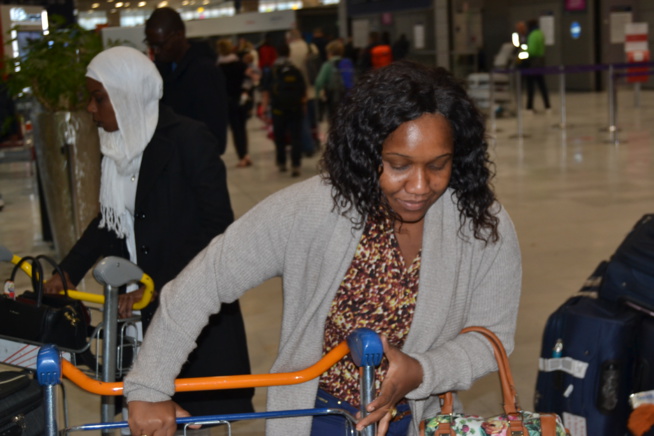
<point x="637" y="56"/>
<point x="575" y="5"/>
<point x="636" y="47"/>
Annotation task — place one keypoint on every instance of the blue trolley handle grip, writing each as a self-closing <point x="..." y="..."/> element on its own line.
<point x="365" y="347"/>
<point x="367" y="351"/>
<point x="48" y="373"/>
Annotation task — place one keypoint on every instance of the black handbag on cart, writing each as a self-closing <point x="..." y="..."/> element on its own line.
<point x="21" y="405"/>
<point x="43" y="319"/>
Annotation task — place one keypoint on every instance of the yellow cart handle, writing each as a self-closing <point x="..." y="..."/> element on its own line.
<point x="145" y="280"/>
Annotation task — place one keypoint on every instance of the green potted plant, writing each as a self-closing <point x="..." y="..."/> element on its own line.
<point x="52" y="72"/>
<point x="54" y="66"/>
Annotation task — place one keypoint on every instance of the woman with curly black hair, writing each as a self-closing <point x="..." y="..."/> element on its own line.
<point x="401" y="234"/>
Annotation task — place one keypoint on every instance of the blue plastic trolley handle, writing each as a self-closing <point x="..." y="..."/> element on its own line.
<point x="367" y="351"/>
<point x="365" y="347"/>
<point x="48" y="373"/>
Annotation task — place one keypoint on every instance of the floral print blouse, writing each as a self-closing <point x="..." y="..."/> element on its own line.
<point x="378" y="292"/>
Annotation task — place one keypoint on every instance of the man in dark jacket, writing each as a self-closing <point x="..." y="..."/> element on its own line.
<point x="193" y="85"/>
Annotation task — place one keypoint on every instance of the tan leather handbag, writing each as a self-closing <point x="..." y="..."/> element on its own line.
<point x="514" y="421"/>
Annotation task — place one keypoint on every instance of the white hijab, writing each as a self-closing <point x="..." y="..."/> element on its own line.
<point x="134" y="87"/>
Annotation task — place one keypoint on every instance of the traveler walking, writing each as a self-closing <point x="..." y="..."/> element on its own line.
<point x="336" y="77"/>
<point x="536" y="59"/>
<point x="236" y="73"/>
<point x="305" y="56"/>
<point x="284" y="90"/>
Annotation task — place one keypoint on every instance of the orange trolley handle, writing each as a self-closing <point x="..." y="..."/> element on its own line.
<point x="93" y="386"/>
<point x="364" y="344"/>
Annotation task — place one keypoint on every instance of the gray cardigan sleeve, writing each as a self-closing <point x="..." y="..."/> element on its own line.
<point x="485" y="292"/>
<point x="249" y="252"/>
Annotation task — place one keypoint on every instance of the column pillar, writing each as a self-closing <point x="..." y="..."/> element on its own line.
<point x="248" y="6"/>
<point x="343" y="31"/>
<point x="113" y="17"/>
<point x="442" y="33"/>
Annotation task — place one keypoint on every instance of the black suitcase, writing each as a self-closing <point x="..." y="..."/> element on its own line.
<point x="21" y="405"/>
<point x="586" y="366"/>
<point x="630" y="272"/>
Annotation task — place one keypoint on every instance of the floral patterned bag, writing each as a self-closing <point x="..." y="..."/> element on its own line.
<point x="514" y="421"/>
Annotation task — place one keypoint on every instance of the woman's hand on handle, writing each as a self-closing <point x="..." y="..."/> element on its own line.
<point x="126" y="301"/>
<point x="54" y="285"/>
<point x="155" y="419"/>
<point x="404" y="375"/>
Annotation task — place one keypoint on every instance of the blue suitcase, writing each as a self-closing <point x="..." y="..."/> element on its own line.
<point x="586" y="366"/>
<point x="630" y="272"/>
<point x="644" y="365"/>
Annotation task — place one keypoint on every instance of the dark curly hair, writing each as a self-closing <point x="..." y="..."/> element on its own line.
<point x="379" y="103"/>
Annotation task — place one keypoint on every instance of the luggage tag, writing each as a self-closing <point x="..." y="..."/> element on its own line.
<point x="640" y="398"/>
<point x="10" y="289"/>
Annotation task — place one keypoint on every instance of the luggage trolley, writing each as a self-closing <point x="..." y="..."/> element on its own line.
<point x="363" y="344"/>
<point x="121" y="271"/>
<point x="112" y="273"/>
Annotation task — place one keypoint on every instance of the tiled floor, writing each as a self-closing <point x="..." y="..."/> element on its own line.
<point x="572" y="194"/>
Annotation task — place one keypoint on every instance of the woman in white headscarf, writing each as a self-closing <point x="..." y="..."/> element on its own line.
<point x="163" y="197"/>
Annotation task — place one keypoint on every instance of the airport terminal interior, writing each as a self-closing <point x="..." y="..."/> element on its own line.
<point x="572" y="186"/>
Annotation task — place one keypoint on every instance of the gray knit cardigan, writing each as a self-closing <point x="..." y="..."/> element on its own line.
<point x="297" y="234"/>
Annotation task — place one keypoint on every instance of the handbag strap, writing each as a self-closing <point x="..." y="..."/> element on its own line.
<point x="509" y="395"/>
<point x="57" y="269"/>
<point x="36" y="278"/>
<point x="509" y="392"/>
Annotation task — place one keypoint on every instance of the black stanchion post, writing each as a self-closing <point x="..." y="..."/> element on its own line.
<point x="491" y="100"/>
<point x="613" y="129"/>
<point x="518" y="99"/>
<point x="562" y="124"/>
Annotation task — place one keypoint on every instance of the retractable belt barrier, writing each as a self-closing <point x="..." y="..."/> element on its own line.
<point x="562" y="70"/>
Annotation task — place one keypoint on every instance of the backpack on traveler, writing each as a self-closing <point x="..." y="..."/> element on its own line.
<point x="313" y="63"/>
<point x="288" y="88"/>
<point x="339" y="83"/>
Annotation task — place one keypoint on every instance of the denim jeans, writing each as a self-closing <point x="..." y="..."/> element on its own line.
<point x="334" y="425"/>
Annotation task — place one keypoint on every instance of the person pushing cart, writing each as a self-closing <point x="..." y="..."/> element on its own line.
<point x="401" y="233"/>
